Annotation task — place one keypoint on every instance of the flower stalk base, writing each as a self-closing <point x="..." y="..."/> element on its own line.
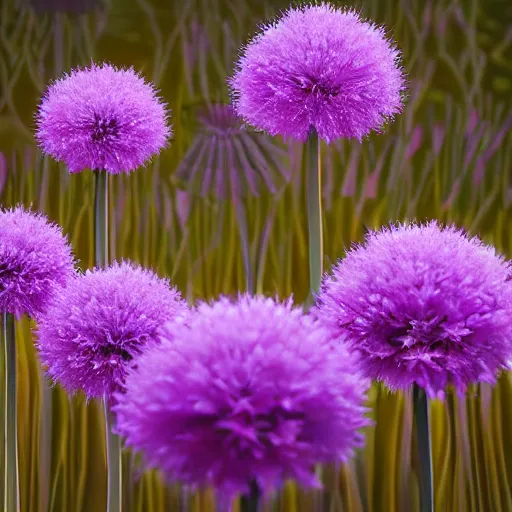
<point x="114" y="462"/>
<point x="113" y="443"/>
<point x="11" y="490"/>
<point x="314" y="209"/>
<point x="250" y="502"/>
<point x="421" y="418"/>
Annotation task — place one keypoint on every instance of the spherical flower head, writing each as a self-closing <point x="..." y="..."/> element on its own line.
<point x="35" y="260"/>
<point x="104" y="319"/>
<point x="240" y="392"/>
<point x="102" y="118"/>
<point x="321" y="68"/>
<point x="424" y="304"/>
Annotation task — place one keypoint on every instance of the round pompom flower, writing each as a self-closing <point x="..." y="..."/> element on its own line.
<point x="424" y="304"/>
<point x="243" y="392"/>
<point x="102" y="118"/>
<point x="35" y="260"/>
<point x="98" y="324"/>
<point x="319" y="67"/>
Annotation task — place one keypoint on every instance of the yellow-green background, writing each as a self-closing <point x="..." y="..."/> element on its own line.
<point x="458" y="56"/>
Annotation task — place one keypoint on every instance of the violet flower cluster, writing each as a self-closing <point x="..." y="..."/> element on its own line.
<point x="423" y="304"/>
<point x="319" y="67"/>
<point x="35" y="261"/>
<point x="102" y="118"/>
<point x="243" y="391"/>
<point x="100" y="322"/>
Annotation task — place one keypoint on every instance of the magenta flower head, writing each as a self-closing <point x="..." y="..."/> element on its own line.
<point x="102" y="118"/>
<point x="319" y="67"/>
<point x="227" y="161"/>
<point x="101" y="322"/>
<point x="35" y="260"/>
<point x="243" y="392"/>
<point x="423" y="304"/>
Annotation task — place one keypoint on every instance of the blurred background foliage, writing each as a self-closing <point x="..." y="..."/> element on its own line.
<point x="448" y="156"/>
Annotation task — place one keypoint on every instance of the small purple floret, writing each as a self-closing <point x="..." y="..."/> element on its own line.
<point x="244" y="391"/>
<point x="35" y="260"/>
<point x="319" y="67"/>
<point x="102" y="118"/>
<point x="102" y="321"/>
<point x="423" y="304"/>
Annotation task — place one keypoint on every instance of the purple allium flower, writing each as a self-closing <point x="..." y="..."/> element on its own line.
<point x="102" y="118"/>
<point x="101" y="322"/>
<point x="226" y="160"/>
<point x="423" y="304"/>
<point x="35" y="260"/>
<point x="319" y="67"/>
<point x="245" y="391"/>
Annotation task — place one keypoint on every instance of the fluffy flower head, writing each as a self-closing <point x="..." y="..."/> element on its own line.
<point x="319" y="67"/>
<point x="35" y="260"/>
<point x="245" y="391"/>
<point x="102" y="118"/>
<point x="423" y="304"/>
<point x="101" y="322"/>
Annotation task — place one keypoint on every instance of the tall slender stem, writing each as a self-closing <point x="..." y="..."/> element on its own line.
<point x="101" y="218"/>
<point x="250" y="502"/>
<point x="114" y="461"/>
<point x="421" y="417"/>
<point x="101" y="230"/>
<point x="314" y="205"/>
<point x="241" y="220"/>
<point x="11" y="490"/>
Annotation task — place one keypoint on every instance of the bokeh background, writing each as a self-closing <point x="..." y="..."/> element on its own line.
<point x="448" y="156"/>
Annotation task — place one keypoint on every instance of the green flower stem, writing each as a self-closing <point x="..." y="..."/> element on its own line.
<point x="11" y="490"/>
<point x="115" y="467"/>
<point x="101" y="218"/>
<point x="241" y="220"/>
<point x="101" y="246"/>
<point x="421" y="417"/>
<point x="250" y="502"/>
<point x="314" y="208"/>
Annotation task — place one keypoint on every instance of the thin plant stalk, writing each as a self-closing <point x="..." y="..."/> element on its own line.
<point x="11" y="489"/>
<point x="314" y="209"/>
<point x="114" y="461"/>
<point x="45" y="443"/>
<point x="421" y="417"/>
<point x="101" y="248"/>
<point x="101" y="218"/>
<point x="250" y="502"/>
<point x="241" y="220"/>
